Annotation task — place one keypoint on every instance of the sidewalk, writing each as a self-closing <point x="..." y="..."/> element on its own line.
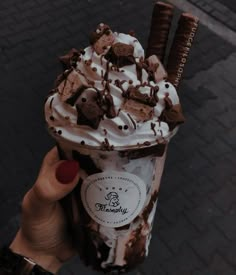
<point x="195" y="228"/>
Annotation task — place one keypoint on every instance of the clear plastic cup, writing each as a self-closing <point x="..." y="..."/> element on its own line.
<point x="111" y="211"/>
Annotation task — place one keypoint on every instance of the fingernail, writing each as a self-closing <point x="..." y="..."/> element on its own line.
<point x="67" y="171"/>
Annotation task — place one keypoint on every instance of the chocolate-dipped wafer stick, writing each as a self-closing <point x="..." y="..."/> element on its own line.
<point x="181" y="46"/>
<point x="160" y="26"/>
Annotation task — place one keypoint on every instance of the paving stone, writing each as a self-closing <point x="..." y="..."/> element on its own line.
<point x="183" y="263"/>
<point x="218" y="6"/>
<point x="200" y="187"/>
<point x="159" y="249"/>
<point x="227" y="225"/>
<point x="172" y="208"/>
<point x="230" y="137"/>
<point x="228" y="252"/>
<point x="219" y="266"/>
<point x="229" y="3"/>
<point x="203" y="272"/>
<point x="203" y="214"/>
<point x="208" y="243"/>
<point x="207" y="8"/>
<point x="177" y="234"/>
<point x="231" y="23"/>
<point x="209" y="130"/>
<point x="221" y="171"/>
<point x="219" y="16"/>
<point x="160" y="221"/>
<point x="217" y="149"/>
<point x="225" y="197"/>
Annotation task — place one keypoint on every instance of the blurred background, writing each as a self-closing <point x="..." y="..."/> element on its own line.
<point x="195" y="225"/>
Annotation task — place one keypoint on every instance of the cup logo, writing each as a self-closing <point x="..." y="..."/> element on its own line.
<point x="113" y="198"/>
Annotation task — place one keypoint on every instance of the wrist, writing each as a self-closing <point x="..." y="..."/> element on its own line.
<point x="21" y="246"/>
<point x="12" y="263"/>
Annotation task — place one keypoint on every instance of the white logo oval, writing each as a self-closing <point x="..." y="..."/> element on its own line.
<point x="113" y="199"/>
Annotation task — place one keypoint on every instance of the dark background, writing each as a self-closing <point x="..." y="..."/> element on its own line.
<point x="195" y="228"/>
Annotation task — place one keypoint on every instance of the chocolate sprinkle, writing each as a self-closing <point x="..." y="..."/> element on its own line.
<point x="147" y="143"/>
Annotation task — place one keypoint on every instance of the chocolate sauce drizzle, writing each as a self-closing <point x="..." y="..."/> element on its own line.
<point x="153" y="125"/>
<point x="50" y="104"/>
<point x="133" y="122"/>
<point x="106" y="146"/>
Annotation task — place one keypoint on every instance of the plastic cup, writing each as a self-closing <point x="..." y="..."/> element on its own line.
<point x="111" y="211"/>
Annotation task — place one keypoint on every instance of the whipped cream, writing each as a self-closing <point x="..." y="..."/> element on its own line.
<point x="108" y="104"/>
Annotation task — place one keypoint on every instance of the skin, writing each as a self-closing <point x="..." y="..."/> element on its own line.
<point x="42" y="235"/>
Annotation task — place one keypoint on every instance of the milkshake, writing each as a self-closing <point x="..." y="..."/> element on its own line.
<point x="114" y="111"/>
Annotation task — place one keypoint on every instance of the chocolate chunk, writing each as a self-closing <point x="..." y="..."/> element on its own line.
<point x="155" y="69"/>
<point x="99" y="32"/>
<point x="121" y="54"/>
<point x="69" y="59"/>
<point x="89" y="111"/>
<point x="139" y="111"/>
<point x="62" y="77"/>
<point x="71" y="100"/>
<point x="135" y="94"/>
<point x="173" y="116"/>
<point x="72" y="82"/>
<point x="156" y="150"/>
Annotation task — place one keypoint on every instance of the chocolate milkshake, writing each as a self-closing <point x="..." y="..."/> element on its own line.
<point x="113" y="110"/>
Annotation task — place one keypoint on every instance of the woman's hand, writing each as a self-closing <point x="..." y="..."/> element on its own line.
<point x="43" y="233"/>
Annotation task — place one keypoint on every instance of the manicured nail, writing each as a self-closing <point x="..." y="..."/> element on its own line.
<point x="67" y="171"/>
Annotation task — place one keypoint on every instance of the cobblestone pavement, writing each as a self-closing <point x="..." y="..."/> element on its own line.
<point x="195" y="228"/>
<point x="223" y="11"/>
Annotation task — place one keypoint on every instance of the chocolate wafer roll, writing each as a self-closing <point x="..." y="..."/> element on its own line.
<point x="181" y="46"/>
<point x="159" y="32"/>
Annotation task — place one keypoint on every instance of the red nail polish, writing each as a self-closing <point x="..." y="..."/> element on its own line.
<point x="67" y="171"/>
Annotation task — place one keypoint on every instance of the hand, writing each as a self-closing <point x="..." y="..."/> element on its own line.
<point x="43" y="233"/>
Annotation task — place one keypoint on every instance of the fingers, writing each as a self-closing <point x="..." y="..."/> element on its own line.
<point x="56" y="181"/>
<point x="53" y="183"/>
<point x="51" y="157"/>
<point x="56" y="178"/>
<point x="66" y="171"/>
